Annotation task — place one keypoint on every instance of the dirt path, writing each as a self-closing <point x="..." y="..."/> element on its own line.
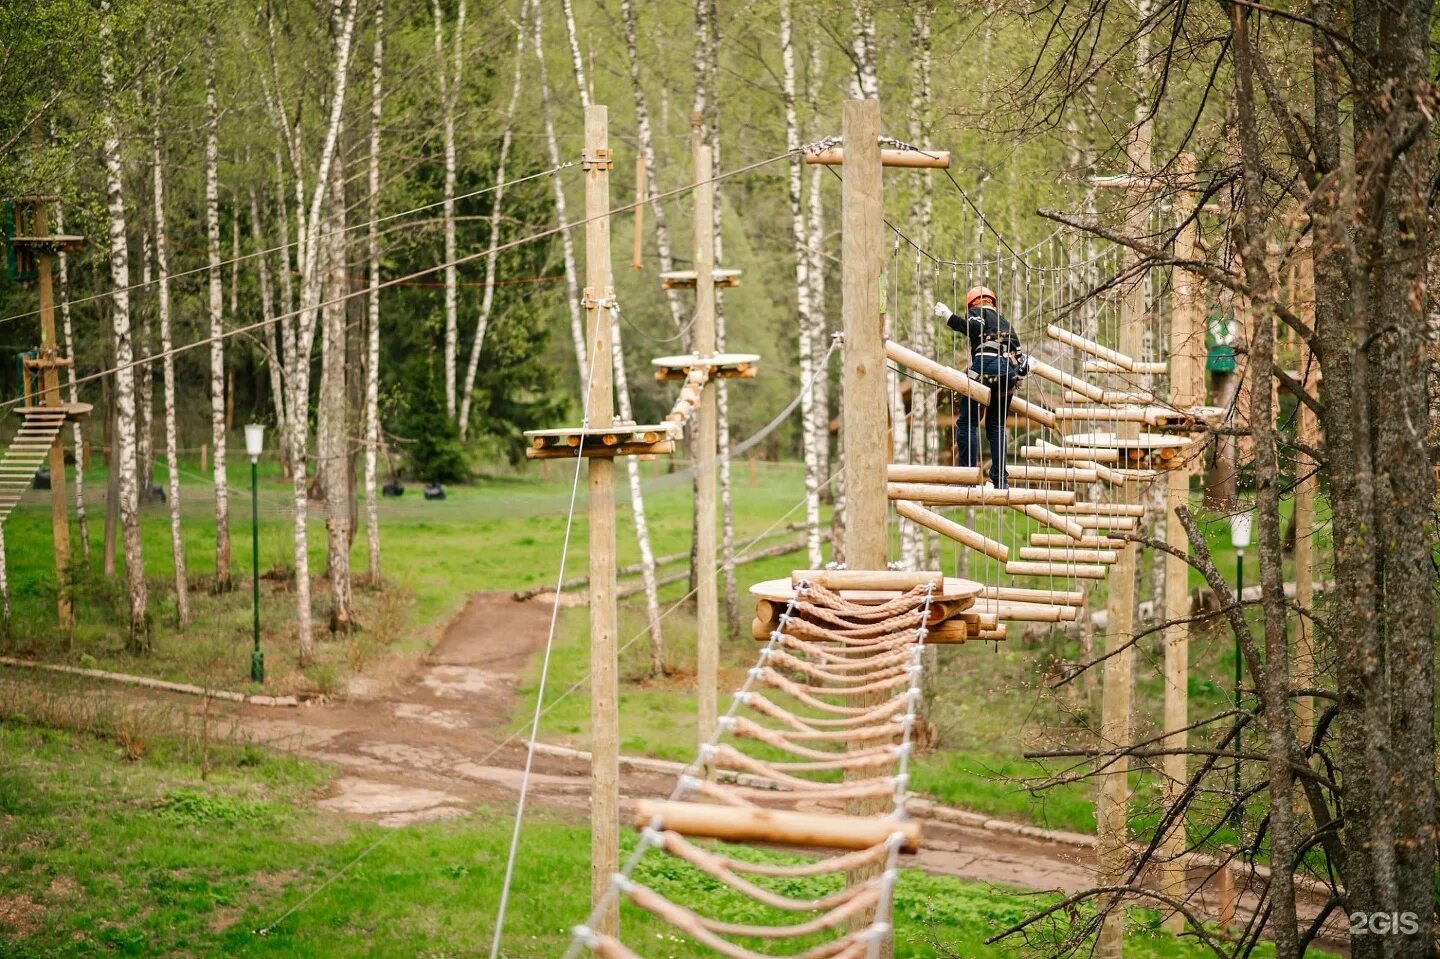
<point x="436" y="744"/>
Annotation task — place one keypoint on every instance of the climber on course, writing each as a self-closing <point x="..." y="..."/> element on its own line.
<point x="996" y="361"/>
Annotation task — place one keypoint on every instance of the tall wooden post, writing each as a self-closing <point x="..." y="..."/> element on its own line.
<point x="1303" y="665"/>
<point x="1187" y="385"/>
<point x="865" y="411"/>
<point x="1113" y="797"/>
<point x="707" y="641"/>
<point x="50" y="396"/>
<point x="604" y="680"/>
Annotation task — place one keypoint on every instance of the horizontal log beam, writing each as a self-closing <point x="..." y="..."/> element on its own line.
<point x="975" y="495"/>
<point x="1046" y="554"/>
<point x="920" y="473"/>
<point x="1052" y="474"/>
<point x="1030" y="595"/>
<point x="946" y="527"/>
<point x="914" y="159"/>
<point x="1070" y="381"/>
<point x="1101" y="509"/>
<point x="1148" y="369"/>
<point x="1071" y="570"/>
<point x="1084" y="542"/>
<point x="782" y="827"/>
<point x="946" y="376"/>
<point x="1067" y="453"/>
<point x="1053" y="520"/>
<point x="1031" y="612"/>
<point x="873" y="579"/>
<point x="1090" y="346"/>
<point x="1114" y="397"/>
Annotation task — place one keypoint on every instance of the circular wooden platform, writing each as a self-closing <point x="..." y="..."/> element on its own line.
<point x="780" y="591"/>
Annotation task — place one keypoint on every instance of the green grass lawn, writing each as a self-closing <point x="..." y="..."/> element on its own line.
<point x="989" y="702"/>
<point x="140" y="856"/>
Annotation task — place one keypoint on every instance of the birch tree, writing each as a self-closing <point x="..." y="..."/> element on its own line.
<point x="167" y="370"/>
<point x="332" y="442"/>
<point x="924" y="437"/>
<point x="646" y="138"/>
<point x="267" y="314"/>
<point x="866" y="84"/>
<point x="449" y="81"/>
<point x="806" y="340"/>
<point x="217" y="318"/>
<point x="487" y="296"/>
<point x="567" y="244"/>
<point x="814" y="238"/>
<point x="144" y="376"/>
<point x="297" y="360"/>
<point x="125" y="460"/>
<point x="372" y="329"/>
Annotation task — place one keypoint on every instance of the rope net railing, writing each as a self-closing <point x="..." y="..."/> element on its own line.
<point x="826" y="716"/>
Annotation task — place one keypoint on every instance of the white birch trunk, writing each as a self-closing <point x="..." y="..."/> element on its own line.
<point x="333" y="445"/>
<point x="448" y="79"/>
<point x="809" y="441"/>
<point x="217" y="320"/>
<point x="567" y="244"/>
<point x="862" y="46"/>
<point x="568" y="9"/>
<point x="4" y="582"/>
<point x="167" y="372"/>
<point x="637" y="509"/>
<point x="145" y="378"/>
<point x="125" y="465"/>
<point x="298" y="360"/>
<point x="647" y="152"/>
<point x="73" y="390"/>
<point x="372" y="330"/>
<point x="815" y="235"/>
<point x="267" y="313"/>
<point x="924" y="436"/>
<point x="487" y="297"/>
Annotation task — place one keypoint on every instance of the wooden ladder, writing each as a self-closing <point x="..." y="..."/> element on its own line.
<point x="27" y="453"/>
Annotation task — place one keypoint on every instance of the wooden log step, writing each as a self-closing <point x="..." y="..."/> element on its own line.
<point x="997" y="633"/>
<point x="1033" y="411"/>
<point x="1137" y="366"/>
<point x="1032" y="612"/>
<point x="876" y="579"/>
<point x="782" y="827"/>
<point x="1101" y="509"/>
<point x="1090" y="346"/>
<point x="1144" y="441"/>
<point x="946" y="376"/>
<point x="1071" y="570"/>
<point x="592" y="451"/>
<point x="616" y="435"/>
<point x="687" y="279"/>
<point x="947" y="527"/>
<point x="956" y="631"/>
<point x="1057" y="597"/>
<point x="1102" y="414"/>
<point x="1114" y="397"/>
<point x="1103" y="522"/>
<point x="1047" y="554"/>
<point x="920" y="473"/>
<point x="975" y="495"/>
<point x="1064" y="524"/>
<point x="1084" y="542"/>
<point x="1052" y="474"/>
<point x="1061" y="378"/>
<point x="1069" y="453"/>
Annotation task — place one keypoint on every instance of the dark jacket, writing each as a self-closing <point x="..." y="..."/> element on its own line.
<point x="983" y="324"/>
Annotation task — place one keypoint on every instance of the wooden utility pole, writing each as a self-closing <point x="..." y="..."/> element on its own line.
<point x="1187" y="389"/>
<point x="600" y="404"/>
<point x="707" y="642"/>
<point x="49" y="361"/>
<point x="1113" y="798"/>
<point x="865" y="412"/>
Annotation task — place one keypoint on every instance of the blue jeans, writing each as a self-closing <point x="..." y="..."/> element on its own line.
<point x="998" y="373"/>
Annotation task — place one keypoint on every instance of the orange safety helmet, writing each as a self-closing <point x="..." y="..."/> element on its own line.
<point x="978" y="293"/>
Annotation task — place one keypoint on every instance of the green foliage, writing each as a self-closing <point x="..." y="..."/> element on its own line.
<point x="432" y="440"/>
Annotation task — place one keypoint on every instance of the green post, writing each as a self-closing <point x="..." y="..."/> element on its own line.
<point x="1237" y="815"/>
<point x="257" y="658"/>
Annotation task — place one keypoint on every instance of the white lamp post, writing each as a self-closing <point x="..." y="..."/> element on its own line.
<point x="254" y="446"/>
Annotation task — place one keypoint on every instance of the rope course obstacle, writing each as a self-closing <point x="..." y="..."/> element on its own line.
<point x="825" y="718"/>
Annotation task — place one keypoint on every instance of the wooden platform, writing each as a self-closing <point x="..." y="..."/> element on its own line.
<point x="55" y="243"/>
<point x="686" y="279"/>
<point x="720" y="366"/>
<point x="70" y="412"/>
<point x="622" y="439"/>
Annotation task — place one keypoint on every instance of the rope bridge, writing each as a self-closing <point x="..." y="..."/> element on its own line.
<point x="826" y="717"/>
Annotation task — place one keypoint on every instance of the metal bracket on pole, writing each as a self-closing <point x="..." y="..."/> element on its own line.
<point x="597" y="159"/>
